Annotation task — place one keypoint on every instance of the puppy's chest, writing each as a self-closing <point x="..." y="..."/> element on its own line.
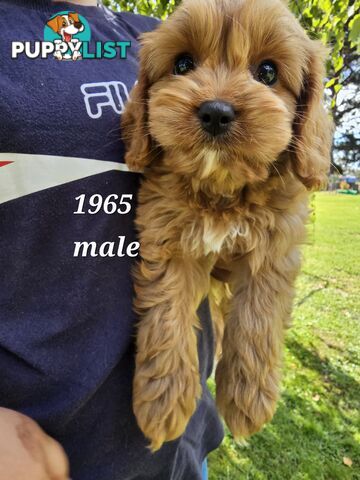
<point x="212" y="234"/>
<point x="219" y="236"/>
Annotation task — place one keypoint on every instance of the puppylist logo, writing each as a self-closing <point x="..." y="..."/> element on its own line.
<point x="67" y="36"/>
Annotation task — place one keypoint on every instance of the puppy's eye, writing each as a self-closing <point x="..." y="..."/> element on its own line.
<point x="267" y="72"/>
<point x="184" y="64"/>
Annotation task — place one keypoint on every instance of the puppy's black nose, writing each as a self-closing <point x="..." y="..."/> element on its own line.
<point x="216" y="116"/>
<point x="78" y="24"/>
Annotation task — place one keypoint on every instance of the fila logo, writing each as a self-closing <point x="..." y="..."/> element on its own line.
<point x="102" y="95"/>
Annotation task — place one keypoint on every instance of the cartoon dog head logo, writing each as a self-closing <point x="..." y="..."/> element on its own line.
<point x="68" y="30"/>
<point x="66" y="25"/>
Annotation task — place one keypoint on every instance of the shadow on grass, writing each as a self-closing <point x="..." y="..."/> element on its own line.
<point x="306" y="440"/>
<point x="345" y="388"/>
<point x="324" y="284"/>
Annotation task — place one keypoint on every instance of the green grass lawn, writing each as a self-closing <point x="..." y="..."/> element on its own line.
<point x="317" y="423"/>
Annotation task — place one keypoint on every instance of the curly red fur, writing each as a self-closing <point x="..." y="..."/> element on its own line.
<point x="235" y="205"/>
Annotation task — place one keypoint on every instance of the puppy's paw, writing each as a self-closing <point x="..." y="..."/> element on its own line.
<point x="164" y="405"/>
<point x="76" y="55"/>
<point x="245" y="404"/>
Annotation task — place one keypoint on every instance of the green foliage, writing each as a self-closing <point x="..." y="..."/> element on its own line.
<point x="336" y="24"/>
<point x="155" y="8"/>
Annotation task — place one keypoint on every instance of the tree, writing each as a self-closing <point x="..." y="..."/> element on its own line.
<point x="337" y="24"/>
<point x="155" y="8"/>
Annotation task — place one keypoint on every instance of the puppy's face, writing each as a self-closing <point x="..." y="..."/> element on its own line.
<point x="66" y="25"/>
<point x="226" y="85"/>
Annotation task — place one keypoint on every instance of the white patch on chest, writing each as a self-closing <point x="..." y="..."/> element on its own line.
<point x="216" y="234"/>
<point x="210" y="159"/>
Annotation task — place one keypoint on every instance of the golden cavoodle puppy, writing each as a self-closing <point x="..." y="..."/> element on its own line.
<point x="227" y="124"/>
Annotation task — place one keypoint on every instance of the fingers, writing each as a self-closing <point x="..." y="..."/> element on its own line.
<point x="56" y="461"/>
<point x="27" y="452"/>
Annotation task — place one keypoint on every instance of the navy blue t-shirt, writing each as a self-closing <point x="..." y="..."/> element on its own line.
<point x="66" y="322"/>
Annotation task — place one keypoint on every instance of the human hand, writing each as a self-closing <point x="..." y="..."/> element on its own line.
<point x="26" y="451"/>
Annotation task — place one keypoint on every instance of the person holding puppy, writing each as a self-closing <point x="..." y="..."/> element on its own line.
<point x="67" y="322"/>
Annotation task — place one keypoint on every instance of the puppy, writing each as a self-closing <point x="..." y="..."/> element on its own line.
<point x="227" y="124"/>
<point x="66" y="26"/>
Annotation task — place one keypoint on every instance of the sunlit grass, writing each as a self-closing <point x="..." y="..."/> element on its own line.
<point x="317" y="421"/>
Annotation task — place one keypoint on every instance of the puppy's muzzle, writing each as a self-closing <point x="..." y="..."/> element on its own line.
<point x="216" y="117"/>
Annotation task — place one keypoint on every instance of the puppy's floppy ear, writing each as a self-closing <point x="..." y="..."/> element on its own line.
<point x="74" y="16"/>
<point x="312" y="126"/>
<point x="140" y="148"/>
<point x="54" y="23"/>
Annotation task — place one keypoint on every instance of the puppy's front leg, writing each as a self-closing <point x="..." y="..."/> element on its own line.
<point x="247" y="376"/>
<point x="166" y="383"/>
